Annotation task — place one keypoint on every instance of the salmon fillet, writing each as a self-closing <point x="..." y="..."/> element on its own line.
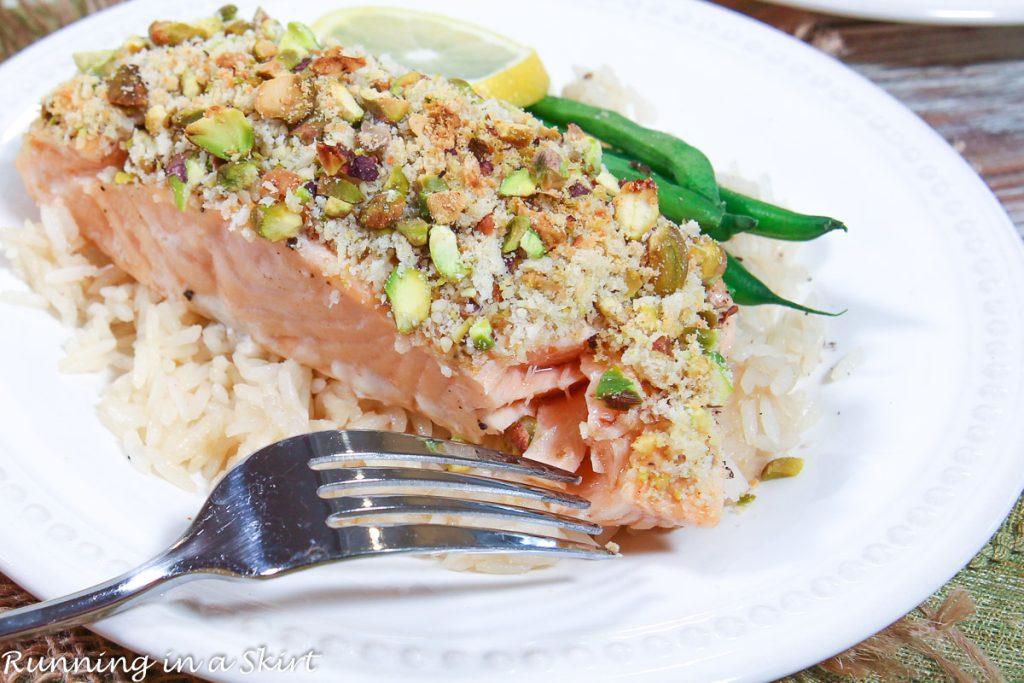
<point x="586" y="360"/>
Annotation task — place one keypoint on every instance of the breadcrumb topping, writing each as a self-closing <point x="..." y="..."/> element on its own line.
<point x="351" y="150"/>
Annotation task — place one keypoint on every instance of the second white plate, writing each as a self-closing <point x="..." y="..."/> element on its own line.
<point x="966" y="12"/>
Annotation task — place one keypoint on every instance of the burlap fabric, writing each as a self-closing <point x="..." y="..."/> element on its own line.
<point x="971" y="630"/>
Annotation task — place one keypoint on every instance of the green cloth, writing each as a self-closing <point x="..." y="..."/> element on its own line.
<point x="995" y="579"/>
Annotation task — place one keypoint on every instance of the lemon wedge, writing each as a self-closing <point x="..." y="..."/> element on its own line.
<point x="434" y="44"/>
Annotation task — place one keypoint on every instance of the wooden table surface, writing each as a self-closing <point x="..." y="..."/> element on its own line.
<point x="967" y="83"/>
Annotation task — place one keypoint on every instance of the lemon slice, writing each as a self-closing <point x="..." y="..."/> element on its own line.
<point x="495" y="65"/>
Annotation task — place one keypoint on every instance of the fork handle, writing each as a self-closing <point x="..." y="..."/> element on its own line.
<point x="88" y="605"/>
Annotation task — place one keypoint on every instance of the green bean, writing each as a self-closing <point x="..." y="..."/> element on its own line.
<point x="734" y="224"/>
<point x="686" y="164"/>
<point x="747" y="290"/>
<point x="774" y="221"/>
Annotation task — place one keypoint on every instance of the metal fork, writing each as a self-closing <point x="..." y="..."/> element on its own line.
<point x="313" y="499"/>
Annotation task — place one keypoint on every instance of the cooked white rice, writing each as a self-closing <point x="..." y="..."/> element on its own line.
<point x="775" y="348"/>
<point x="602" y="88"/>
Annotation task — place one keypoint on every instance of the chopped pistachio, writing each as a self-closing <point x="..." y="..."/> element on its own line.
<point x="610" y="307"/>
<point x="172" y="32"/>
<point x="521" y="433"/>
<point x="135" y="44"/>
<point x="94" y="62"/>
<point x="532" y="244"/>
<point x="710" y="258"/>
<point x="409" y="294"/>
<point x="721" y="378"/>
<point x="223" y="132"/>
<point x="288" y="97"/>
<point x="592" y="155"/>
<point x="608" y="182"/>
<point x="432" y="183"/>
<point x="194" y="172"/>
<point x="126" y="88"/>
<point x="706" y="338"/>
<point x="179" y="191"/>
<point x="481" y="334"/>
<point x="382" y="211"/>
<point x="710" y="317"/>
<point x="444" y="252"/>
<point x="296" y="44"/>
<point x="617" y="391"/>
<point x="337" y="208"/>
<point x="445" y="207"/>
<point x="303" y="194"/>
<point x="636" y="207"/>
<point x="517" y="184"/>
<point x="393" y="109"/>
<point x="183" y="118"/>
<point x="745" y="500"/>
<point x="227" y="12"/>
<point x="414" y="229"/>
<point x="264" y="49"/>
<point x="404" y="81"/>
<point x="347" y="105"/>
<point x="517" y="227"/>
<point x="278" y="222"/>
<point x="309" y="130"/>
<point x="668" y="256"/>
<point x="781" y="468"/>
<point x="156" y="119"/>
<point x="634" y="282"/>
<point x="332" y="158"/>
<point x="460" y="332"/>
<point x="237" y="28"/>
<point x="189" y="83"/>
<point x="515" y="134"/>
<point x="465" y="88"/>
<point x="123" y="178"/>
<point x="550" y="169"/>
<point x="238" y="175"/>
<point x="429" y="185"/>
<point x="209" y="26"/>
<point x="342" y="189"/>
<point x="397" y="181"/>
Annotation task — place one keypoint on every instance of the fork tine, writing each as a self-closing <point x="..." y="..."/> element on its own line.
<point x="338" y="482"/>
<point x="351" y="507"/>
<point x="346" y="446"/>
<point x="437" y="539"/>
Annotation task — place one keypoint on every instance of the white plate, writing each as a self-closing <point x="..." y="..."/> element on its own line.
<point x="992" y="12"/>
<point x="916" y="463"/>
